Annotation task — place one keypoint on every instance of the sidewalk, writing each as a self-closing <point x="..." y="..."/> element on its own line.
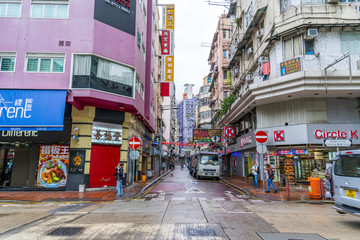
<point x="297" y="194"/>
<point x="90" y="195"/>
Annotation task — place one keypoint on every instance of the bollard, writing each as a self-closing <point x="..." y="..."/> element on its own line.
<point x="322" y="192"/>
<point x="287" y="189"/>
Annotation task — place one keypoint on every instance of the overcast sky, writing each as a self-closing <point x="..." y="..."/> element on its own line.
<point x="195" y="23"/>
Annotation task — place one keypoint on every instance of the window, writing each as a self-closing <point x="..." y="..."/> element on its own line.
<point x="104" y="75"/>
<point x="292" y="47"/>
<point x="50" y="9"/>
<point x="309" y="46"/>
<point x="45" y="62"/>
<point x="142" y="90"/>
<point x="138" y="38"/>
<point x="143" y="51"/>
<point x="137" y="84"/>
<point x="224" y="33"/>
<point x="224" y="53"/>
<point x="10" y="8"/>
<point x="7" y="62"/>
<point x="350" y="42"/>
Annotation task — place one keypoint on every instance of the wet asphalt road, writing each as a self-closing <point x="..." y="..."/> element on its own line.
<point x="179" y="207"/>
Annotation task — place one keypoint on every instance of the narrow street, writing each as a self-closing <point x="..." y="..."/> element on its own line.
<point x="179" y="207"/>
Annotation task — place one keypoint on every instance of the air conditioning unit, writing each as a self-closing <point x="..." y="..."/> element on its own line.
<point x="236" y="71"/>
<point x="311" y="33"/>
<point x="263" y="59"/>
<point x="242" y="126"/>
<point x="332" y="1"/>
<point x="249" y="77"/>
<point x="250" y="51"/>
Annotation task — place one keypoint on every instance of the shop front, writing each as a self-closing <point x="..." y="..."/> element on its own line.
<point x="105" y="153"/>
<point x="299" y="152"/>
<point x="34" y="139"/>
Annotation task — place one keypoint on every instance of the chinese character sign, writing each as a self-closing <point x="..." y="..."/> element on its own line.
<point x="53" y="166"/>
<point x="33" y="110"/>
<point x="103" y="135"/>
<point x="169" y="17"/>
<point x="290" y="66"/>
<point x="165" y="42"/>
<point x="169" y="68"/>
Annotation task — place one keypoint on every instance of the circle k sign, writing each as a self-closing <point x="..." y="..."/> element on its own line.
<point x="229" y="131"/>
<point x="261" y="137"/>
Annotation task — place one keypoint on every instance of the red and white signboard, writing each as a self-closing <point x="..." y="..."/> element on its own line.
<point x="261" y="137"/>
<point x="134" y="143"/>
<point x="229" y="131"/>
<point x="279" y="136"/>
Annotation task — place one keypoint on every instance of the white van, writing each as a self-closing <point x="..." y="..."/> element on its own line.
<point x="206" y="164"/>
<point x="346" y="180"/>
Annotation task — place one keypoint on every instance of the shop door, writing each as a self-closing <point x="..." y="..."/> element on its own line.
<point x="20" y="169"/>
<point x="103" y="161"/>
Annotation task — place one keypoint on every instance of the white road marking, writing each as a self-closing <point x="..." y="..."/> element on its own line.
<point x="194" y="190"/>
<point x="178" y="199"/>
<point x="218" y="199"/>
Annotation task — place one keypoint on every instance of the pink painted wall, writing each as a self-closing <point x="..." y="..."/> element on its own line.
<point x="24" y="34"/>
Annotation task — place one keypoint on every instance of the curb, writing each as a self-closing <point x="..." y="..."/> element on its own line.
<point x="262" y="198"/>
<point x="147" y="187"/>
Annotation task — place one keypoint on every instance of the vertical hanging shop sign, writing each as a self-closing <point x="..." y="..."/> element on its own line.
<point x="167" y="43"/>
<point x="169" y="68"/>
<point x="168" y="19"/>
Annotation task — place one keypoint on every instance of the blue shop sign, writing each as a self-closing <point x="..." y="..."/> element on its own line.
<point x="32" y="110"/>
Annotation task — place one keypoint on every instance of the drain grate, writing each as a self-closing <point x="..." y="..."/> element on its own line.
<point x="290" y="236"/>
<point x="70" y="231"/>
<point x="201" y="232"/>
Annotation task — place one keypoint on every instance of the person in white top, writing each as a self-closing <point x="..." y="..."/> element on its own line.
<point x="255" y="172"/>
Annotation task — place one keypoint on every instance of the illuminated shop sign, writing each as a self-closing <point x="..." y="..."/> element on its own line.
<point x="244" y="141"/>
<point x="102" y="135"/>
<point x="37" y="110"/>
<point x="293" y="152"/>
<point x="119" y="14"/>
<point x="336" y="134"/>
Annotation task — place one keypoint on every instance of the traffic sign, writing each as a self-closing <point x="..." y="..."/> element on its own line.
<point x="261" y="137"/>
<point x="229" y="131"/>
<point x="261" y="148"/>
<point x="134" y="154"/>
<point x="134" y="143"/>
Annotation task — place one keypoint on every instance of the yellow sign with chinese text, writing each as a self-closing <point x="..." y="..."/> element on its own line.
<point x="170" y="16"/>
<point x="169" y="68"/>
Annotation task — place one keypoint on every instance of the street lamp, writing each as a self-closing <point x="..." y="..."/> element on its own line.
<point x="161" y="111"/>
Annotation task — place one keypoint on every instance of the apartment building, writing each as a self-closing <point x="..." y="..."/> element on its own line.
<point x="82" y="74"/>
<point x="295" y="70"/>
<point x="219" y="59"/>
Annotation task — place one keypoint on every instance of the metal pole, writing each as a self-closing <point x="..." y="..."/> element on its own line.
<point x="160" y="140"/>
<point x="133" y="163"/>
<point x="262" y="165"/>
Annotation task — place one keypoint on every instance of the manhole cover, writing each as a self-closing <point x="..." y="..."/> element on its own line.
<point x="70" y="231"/>
<point x="201" y="232"/>
<point x="291" y="236"/>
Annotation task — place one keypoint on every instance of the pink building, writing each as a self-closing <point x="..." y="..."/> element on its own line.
<point x="99" y="55"/>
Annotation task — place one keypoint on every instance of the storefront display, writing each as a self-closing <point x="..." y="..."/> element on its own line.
<point x="53" y="166"/>
<point x="289" y="169"/>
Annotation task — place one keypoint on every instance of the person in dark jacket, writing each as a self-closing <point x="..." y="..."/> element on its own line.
<point x="119" y="176"/>
<point x="269" y="176"/>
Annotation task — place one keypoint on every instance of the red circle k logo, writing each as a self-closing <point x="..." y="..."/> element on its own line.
<point x="279" y="136"/>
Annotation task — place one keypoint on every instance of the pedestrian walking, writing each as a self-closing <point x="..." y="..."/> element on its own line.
<point x="255" y="172"/>
<point x="269" y="176"/>
<point x="119" y="176"/>
<point x="163" y="166"/>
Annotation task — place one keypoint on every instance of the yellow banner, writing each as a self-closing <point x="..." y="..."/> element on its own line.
<point x="170" y="16"/>
<point x="169" y="68"/>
